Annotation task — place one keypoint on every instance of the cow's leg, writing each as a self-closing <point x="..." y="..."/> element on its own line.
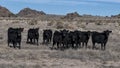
<point x="53" y="44"/>
<point x="86" y="44"/>
<point x="57" y="45"/>
<point x="50" y="39"/>
<point x="93" y="45"/>
<point x="27" y="40"/>
<point x="82" y="44"/>
<point x="72" y="45"/>
<point x="30" y="40"/>
<point x="14" y="44"/>
<point x="102" y="46"/>
<point x="76" y="45"/>
<point x="47" y="41"/>
<point x="37" y="42"/>
<point x="19" y="45"/>
<point x="79" y="44"/>
<point x="34" y="40"/>
<point x="67" y="45"/>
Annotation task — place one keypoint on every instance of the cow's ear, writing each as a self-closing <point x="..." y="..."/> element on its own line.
<point x="37" y="28"/>
<point x="110" y="31"/>
<point x="89" y="31"/>
<point x="22" y="29"/>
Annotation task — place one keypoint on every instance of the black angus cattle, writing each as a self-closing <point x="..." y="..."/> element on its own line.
<point x="47" y="36"/>
<point x="84" y="38"/>
<point x="57" y="39"/>
<point x="73" y="38"/>
<point x="66" y="41"/>
<point x="33" y="35"/>
<point x="64" y="33"/>
<point x="100" y="38"/>
<point x="14" y="36"/>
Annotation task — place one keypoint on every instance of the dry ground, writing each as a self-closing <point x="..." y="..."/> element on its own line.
<point x="32" y="56"/>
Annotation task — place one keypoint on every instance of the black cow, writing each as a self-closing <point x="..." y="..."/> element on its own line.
<point x="73" y="38"/>
<point x="33" y="35"/>
<point x="14" y="36"/>
<point x="64" y="33"/>
<point x="100" y="38"/>
<point x="57" y="39"/>
<point x="47" y="36"/>
<point x="84" y="38"/>
<point x="66" y="41"/>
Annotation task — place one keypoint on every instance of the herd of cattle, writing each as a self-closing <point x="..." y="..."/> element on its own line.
<point x="60" y="38"/>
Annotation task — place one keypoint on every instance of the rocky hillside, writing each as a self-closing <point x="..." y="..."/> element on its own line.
<point x="4" y="12"/>
<point x="27" y="12"/>
<point x="71" y="15"/>
<point x="116" y="16"/>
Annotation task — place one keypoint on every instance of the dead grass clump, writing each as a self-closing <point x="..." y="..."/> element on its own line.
<point x="15" y="22"/>
<point x="86" y="55"/>
<point x="119" y="23"/>
<point x="69" y="26"/>
<point x="50" y="23"/>
<point x="33" y="22"/>
<point x="37" y="66"/>
<point x="1" y="37"/>
<point x="59" y="25"/>
<point x="70" y="54"/>
<point x="81" y="25"/>
<point x="98" y="23"/>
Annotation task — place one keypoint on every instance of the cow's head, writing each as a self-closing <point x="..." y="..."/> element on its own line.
<point x="36" y="30"/>
<point x="107" y="32"/>
<point x="19" y="30"/>
<point x="89" y="33"/>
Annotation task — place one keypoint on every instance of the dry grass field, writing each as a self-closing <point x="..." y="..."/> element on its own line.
<point x="33" y="56"/>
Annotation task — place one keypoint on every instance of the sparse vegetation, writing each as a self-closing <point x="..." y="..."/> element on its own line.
<point x="98" y="23"/>
<point x="31" y="56"/>
<point x="33" y="22"/>
<point x="15" y="22"/>
<point x="59" y="25"/>
<point x="50" y="23"/>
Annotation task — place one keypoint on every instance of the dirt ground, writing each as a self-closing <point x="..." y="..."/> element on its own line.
<point x="33" y="56"/>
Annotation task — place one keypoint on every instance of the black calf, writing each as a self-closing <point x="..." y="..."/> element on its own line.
<point x="14" y="36"/>
<point x="100" y="38"/>
<point x="47" y="36"/>
<point x="33" y="35"/>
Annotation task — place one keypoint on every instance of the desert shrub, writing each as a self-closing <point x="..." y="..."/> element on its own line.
<point x="67" y="26"/>
<point x="98" y="23"/>
<point x="81" y="25"/>
<point x="15" y="22"/>
<point x="33" y="22"/>
<point x="91" y="20"/>
<point x="119" y="23"/>
<point x="59" y="25"/>
<point x="1" y="37"/>
<point x="50" y="23"/>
